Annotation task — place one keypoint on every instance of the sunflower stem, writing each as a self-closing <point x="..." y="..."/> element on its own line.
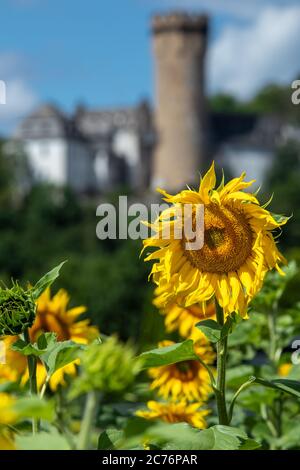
<point x="45" y="385"/>
<point x="242" y="387"/>
<point x="221" y="371"/>
<point x="32" y="365"/>
<point x="62" y="423"/>
<point x="90" y="410"/>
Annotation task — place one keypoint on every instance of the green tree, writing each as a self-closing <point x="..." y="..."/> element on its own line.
<point x="6" y="177"/>
<point x="283" y="181"/>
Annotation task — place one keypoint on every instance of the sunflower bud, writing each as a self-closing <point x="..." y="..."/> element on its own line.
<point x="107" y="367"/>
<point x="17" y="310"/>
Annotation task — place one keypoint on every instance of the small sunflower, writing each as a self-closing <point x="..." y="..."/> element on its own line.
<point x="238" y="250"/>
<point x="52" y="315"/>
<point x="6" y="440"/>
<point x="172" y="412"/>
<point x="285" y="369"/>
<point x="187" y="380"/>
<point x="7" y="413"/>
<point x="15" y="363"/>
<point x="184" y="319"/>
<point x="8" y="417"/>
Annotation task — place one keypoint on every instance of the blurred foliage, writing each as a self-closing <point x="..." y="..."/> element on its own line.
<point x="226" y="103"/>
<point x="263" y="346"/>
<point x="283" y="182"/>
<point x="50" y="224"/>
<point x="6" y="177"/>
<point x="108" y="367"/>
<point x="272" y="99"/>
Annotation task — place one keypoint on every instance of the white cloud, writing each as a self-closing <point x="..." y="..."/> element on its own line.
<point x="242" y="59"/>
<point x="20" y="97"/>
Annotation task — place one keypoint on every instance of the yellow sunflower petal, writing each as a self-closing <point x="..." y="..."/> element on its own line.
<point x="207" y="184"/>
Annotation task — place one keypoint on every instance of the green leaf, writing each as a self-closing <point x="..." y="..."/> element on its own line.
<point x="54" y="354"/>
<point x="222" y="438"/>
<point x="60" y="354"/>
<point x="167" y="436"/>
<point x="34" y="407"/>
<point x="36" y="349"/>
<point x="46" y="340"/>
<point x="42" y="441"/>
<point x="280" y="218"/>
<point x="226" y="438"/>
<point x="181" y="436"/>
<point x="26" y="349"/>
<point x="46" y="281"/>
<point x="291" y="387"/>
<point x="8" y="387"/>
<point x="177" y="352"/>
<point x="249" y="444"/>
<point x="211" y="329"/>
<point x="110" y="439"/>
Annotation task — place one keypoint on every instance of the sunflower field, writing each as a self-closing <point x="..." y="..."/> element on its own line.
<point x="205" y="356"/>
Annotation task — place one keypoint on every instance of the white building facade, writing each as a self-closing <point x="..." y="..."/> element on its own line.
<point x="91" y="151"/>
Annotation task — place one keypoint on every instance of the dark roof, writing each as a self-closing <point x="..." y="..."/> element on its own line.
<point x="48" y="121"/>
<point x="48" y="110"/>
<point x="100" y="123"/>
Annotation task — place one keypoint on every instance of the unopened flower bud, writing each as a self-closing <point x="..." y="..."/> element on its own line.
<point x="17" y="310"/>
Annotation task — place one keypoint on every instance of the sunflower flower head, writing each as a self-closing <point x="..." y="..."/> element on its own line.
<point x="8" y="417"/>
<point x="15" y="363"/>
<point x="175" y="412"/>
<point x="238" y="246"/>
<point x="284" y="369"/>
<point x="55" y="315"/>
<point x="17" y="310"/>
<point x="184" y="319"/>
<point x="52" y="315"/>
<point x="7" y="413"/>
<point x="186" y="380"/>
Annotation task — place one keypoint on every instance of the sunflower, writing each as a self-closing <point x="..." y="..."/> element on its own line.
<point x="238" y="246"/>
<point x="52" y="315"/>
<point x="6" y="440"/>
<point x="15" y="363"/>
<point x="172" y="412"/>
<point x="8" y="416"/>
<point x="184" y="319"/>
<point x="188" y="380"/>
<point x="285" y="369"/>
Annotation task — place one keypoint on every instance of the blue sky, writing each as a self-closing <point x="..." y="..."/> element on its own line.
<point x="99" y="52"/>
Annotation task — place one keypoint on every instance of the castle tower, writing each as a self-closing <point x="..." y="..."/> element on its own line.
<point x="179" y="43"/>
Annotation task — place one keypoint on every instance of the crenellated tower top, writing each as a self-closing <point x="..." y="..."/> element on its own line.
<point x="177" y="21"/>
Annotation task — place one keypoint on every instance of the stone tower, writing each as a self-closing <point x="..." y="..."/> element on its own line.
<point x="179" y="49"/>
